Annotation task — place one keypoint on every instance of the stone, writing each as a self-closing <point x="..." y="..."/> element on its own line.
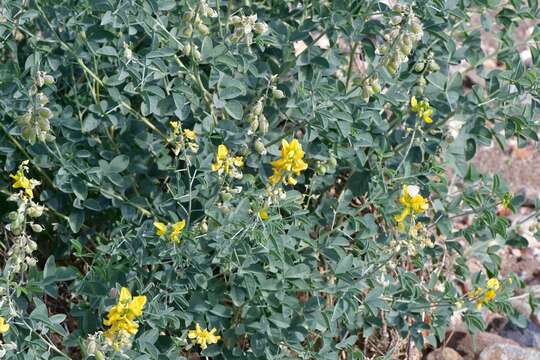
<point x="508" y="352"/>
<point x="444" y="354"/>
<point x="469" y="346"/>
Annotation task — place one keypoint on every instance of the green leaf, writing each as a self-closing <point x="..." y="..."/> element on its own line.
<point x="119" y="164"/>
<point x="234" y="109"/>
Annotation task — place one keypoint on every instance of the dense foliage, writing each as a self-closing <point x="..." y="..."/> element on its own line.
<point x="255" y="179"/>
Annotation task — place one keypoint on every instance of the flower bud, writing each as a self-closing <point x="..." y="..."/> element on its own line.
<point x="421" y="81"/>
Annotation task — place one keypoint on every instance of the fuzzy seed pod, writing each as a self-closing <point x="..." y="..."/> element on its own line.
<point x="188" y="31"/>
<point x="203" y="29"/>
<point x="260" y="28"/>
<point x="259" y="147"/>
<point x="263" y="124"/>
<point x="419" y="66"/>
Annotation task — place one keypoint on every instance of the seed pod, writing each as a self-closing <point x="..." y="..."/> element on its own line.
<point x="36" y="227"/>
<point x="48" y="79"/>
<point x="259" y="147"/>
<point x="197" y="55"/>
<point x="277" y="94"/>
<point x="321" y="169"/>
<point x="44" y="113"/>
<point x="332" y="162"/>
<point x="188" y="31"/>
<point x="419" y="66"/>
<point x="375" y="86"/>
<point x="254" y="125"/>
<point x="260" y="28"/>
<point x="258" y="108"/>
<point x="263" y="124"/>
<point x="188" y="15"/>
<point x="24" y="119"/>
<point x="416" y="27"/>
<point x="28" y="133"/>
<point x="203" y="29"/>
<point x="396" y="20"/>
<point x="42" y="99"/>
<point x="44" y="124"/>
<point x="433" y="66"/>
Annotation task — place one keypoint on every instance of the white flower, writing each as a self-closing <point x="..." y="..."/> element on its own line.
<point x="413" y="190"/>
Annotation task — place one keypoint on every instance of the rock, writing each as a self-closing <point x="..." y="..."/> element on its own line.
<point x="509" y="352"/>
<point x="444" y="354"/>
<point x="528" y="337"/>
<point x="469" y="346"/>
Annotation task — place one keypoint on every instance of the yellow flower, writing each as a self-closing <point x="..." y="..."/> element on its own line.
<point x="493" y="284"/>
<point x="120" y="318"/>
<point x="203" y="337"/>
<point x="175" y="125"/>
<point x="227" y="164"/>
<point x="22" y="182"/>
<point x="177" y="230"/>
<point x="190" y="134"/>
<point x="263" y="214"/>
<point x="4" y="327"/>
<point x="412" y="202"/>
<point x="489" y="295"/>
<point x="161" y="228"/>
<point x="291" y="163"/>
<point x="423" y="109"/>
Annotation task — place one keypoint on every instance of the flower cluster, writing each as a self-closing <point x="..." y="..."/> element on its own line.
<point x="423" y="109"/>
<point x="406" y="32"/>
<point x="121" y="319"/>
<point x="182" y="138"/>
<point x="203" y="337"/>
<point x="227" y="164"/>
<point x="174" y="231"/>
<point x="22" y="182"/>
<point x="20" y="254"/>
<point x="412" y="201"/>
<point x="193" y="18"/>
<point x="35" y="123"/>
<point x="485" y="295"/>
<point x="256" y="118"/>
<point x="290" y="164"/>
<point x="244" y="27"/>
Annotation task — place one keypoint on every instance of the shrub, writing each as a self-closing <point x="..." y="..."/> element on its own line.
<point x="257" y="179"/>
